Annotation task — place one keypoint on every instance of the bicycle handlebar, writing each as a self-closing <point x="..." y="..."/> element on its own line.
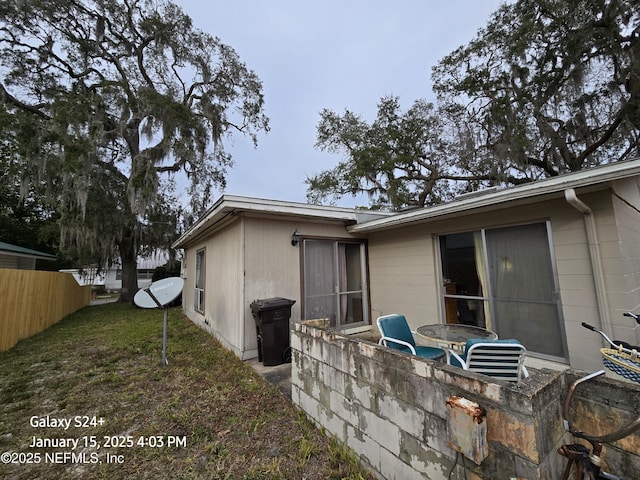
<point x="622" y="346"/>
<point x="608" y="438"/>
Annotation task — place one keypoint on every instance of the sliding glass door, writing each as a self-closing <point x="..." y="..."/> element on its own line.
<point x="466" y="294"/>
<point x="334" y="281"/>
<point x="503" y="279"/>
<point x="523" y="289"/>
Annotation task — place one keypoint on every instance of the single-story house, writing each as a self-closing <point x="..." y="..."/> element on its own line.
<point x="530" y="262"/>
<point x="20" y="258"/>
<point x="146" y="265"/>
<point x="111" y="277"/>
<point x="88" y="276"/>
<point x="246" y="249"/>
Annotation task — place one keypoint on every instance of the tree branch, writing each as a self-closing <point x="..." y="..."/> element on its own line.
<point x="7" y="98"/>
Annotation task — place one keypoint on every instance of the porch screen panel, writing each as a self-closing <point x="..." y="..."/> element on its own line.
<point x="523" y="288"/>
<point x="319" y="280"/>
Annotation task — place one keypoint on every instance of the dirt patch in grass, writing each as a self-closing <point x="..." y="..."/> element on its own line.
<point x="207" y="415"/>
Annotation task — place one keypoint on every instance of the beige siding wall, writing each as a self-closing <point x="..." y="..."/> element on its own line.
<point x="405" y="278"/>
<point x="625" y="283"/>
<point x="402" y="275"/>
<point x="273" y="264"/>
<point x="618" y="229"/>
<point x="248" y="260"/>
<point x="223" y="286"/>
<point x="272" y="269"/>
<point x="576" y="279"/>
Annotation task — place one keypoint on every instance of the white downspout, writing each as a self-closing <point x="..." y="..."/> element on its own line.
<point x="596" y="258"/>
<point x="244" y="303"/>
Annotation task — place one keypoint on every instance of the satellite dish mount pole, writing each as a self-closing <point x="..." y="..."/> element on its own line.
<point x="164" y="329"/>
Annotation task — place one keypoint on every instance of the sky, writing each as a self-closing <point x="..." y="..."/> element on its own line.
<point x="331" y="54"/>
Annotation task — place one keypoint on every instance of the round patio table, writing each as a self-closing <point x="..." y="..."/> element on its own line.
<point x="454" y="335"/>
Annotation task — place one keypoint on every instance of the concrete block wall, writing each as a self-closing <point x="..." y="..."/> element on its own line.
<point x="390" y="409"/>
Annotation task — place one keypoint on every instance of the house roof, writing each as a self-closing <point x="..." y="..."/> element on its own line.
<point x="16" y="251"/>
<point x="363" y="221"/>
<point x="228" y="207"/>
<point x="592" y="179"/>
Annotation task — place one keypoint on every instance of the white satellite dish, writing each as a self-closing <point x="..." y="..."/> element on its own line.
<point x="159" y="295"/>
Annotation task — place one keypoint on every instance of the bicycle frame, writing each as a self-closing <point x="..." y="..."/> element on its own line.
<point x="589" y="463"/>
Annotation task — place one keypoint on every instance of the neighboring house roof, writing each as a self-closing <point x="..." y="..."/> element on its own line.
<point x="595" y="178"/>
<point x="229" y="206"/>
<point x="16" y="251"/>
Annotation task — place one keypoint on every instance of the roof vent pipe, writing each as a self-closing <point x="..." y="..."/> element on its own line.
<point x="594" y="254"/>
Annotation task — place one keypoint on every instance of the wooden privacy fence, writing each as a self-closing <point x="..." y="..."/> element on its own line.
<point x="31" y="301"/>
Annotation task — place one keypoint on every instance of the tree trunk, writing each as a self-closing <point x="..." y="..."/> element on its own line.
<point x="128" y="257"/>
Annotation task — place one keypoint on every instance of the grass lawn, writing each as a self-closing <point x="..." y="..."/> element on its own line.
<point x="207" y="415"/>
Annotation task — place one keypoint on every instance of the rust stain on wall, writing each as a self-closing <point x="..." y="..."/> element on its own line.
<point x="467" y="428"/>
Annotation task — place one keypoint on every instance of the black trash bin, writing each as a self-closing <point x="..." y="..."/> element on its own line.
<point x="272" y="327"/>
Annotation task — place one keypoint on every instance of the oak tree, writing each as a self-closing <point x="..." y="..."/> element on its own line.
<point x="104" y="101"/>
<point x="545" y="88"/>
<point x="549" y="86"/>
<point x="401" y="159"/>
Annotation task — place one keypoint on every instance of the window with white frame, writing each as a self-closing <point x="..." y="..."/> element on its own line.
<point x="334" y="281"/>
<point x="198" y="303"/>
<point x="504" y="279"/>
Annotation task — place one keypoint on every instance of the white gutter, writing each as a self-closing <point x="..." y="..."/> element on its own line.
<point x="596" y="258"/>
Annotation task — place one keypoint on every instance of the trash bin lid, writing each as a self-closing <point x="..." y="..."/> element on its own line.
<point x="270" y="304"/>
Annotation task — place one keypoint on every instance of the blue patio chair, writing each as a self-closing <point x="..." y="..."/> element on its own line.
<point x="502" y="359"/>
<point x="396" y="334"/>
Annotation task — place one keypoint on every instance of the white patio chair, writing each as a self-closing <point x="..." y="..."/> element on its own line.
<point x="502" y="359"/>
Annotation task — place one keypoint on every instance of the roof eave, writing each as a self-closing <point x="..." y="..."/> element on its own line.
<point x="528" y="193"/>
<point x="228" y="206"/>
<point x="24" y="255"/>
<point x="17" y="251"/>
